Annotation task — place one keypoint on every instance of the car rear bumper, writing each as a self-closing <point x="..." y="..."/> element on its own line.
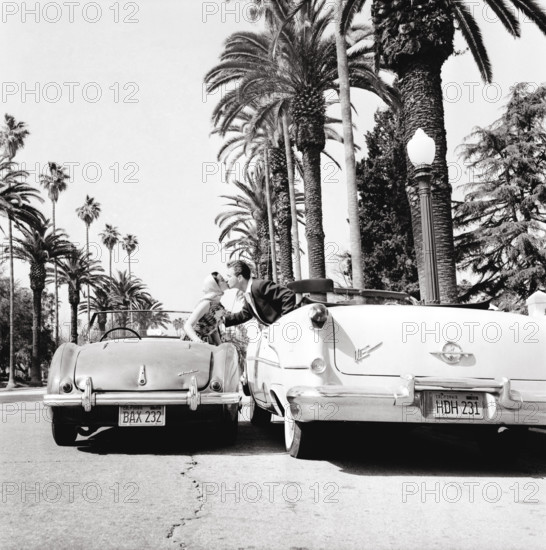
<point x="410" y="402"/>
<point x="88" y="399"/>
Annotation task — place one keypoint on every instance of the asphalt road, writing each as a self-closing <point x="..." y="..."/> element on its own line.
<point x="138" y="488"/>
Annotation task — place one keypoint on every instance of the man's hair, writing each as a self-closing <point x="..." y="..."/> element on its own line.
<point x="240" y="268"/>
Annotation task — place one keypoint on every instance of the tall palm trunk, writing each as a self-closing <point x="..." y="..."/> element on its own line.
<point x="37" y="285"/>
<point x="263" y="259"/>
<point x="101" y="322"/>
<point x="55" y="283"/>
<point x="88" y="296"/>
<point x="314" y="232"/>
<point x="350" y="165"/>
<point x="11" y="379"/>
<point x="308" y="113"/>
<point x="74" y="300"/>
<point x="282" y="212"/>
<point x="272" y="244"/>
<point x="129" y="260"/>
<point x="421" y="94"/>
<point x="292" y="192"/>
<point x="110" y="263"/>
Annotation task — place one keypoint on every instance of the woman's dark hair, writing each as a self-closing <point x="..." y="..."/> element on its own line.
<point x="240" y="268"/>
<point x="215" y="275"/>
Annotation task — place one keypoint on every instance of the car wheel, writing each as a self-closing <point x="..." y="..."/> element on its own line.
<point x="64" y="434"/>
<point x="258" y="416"/>
<point x="298" y="438"/>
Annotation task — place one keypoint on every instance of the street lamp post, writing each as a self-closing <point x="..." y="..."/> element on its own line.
<point x="421" y="152"/>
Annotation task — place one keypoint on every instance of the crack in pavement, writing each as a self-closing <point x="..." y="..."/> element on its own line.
<point x="201" y="504"/>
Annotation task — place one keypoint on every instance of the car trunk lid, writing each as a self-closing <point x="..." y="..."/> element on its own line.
<point x="438" y="341"/>
<point x="144" y="365"/>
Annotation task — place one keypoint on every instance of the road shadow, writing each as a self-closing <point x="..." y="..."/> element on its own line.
<point x="357" y="449"/>
<point x="187" y="440"/>
<point x="431" y="450"/>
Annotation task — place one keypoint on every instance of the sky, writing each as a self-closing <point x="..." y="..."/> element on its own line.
<point x="114" y="91"/>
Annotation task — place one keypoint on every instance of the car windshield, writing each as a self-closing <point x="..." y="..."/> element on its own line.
<point x="347" y="296"/>
<point x="133" y="323"/>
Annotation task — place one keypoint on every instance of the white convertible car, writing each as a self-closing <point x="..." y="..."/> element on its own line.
<point x="379" y="357"/>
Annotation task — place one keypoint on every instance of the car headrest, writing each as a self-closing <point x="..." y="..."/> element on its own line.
<point x="318" y="286"/>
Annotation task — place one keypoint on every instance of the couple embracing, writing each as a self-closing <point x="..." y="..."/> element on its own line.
<point x="264" y="300"/>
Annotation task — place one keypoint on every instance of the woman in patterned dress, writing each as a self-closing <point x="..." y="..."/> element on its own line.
<point x="202" y="324"/>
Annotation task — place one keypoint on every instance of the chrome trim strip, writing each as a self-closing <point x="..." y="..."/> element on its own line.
<point x="341" y="403"/>
<point x="268" y="362"/>
<point x="141" y="398"/>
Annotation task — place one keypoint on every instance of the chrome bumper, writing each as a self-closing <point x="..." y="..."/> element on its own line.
<point x="407" y="402"/>
<point x="89" y="398"/>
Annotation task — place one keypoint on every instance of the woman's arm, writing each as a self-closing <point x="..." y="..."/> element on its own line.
<point x="201" y="309"/>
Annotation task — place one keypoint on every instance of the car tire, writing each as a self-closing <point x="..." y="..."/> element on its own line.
<point x="299" y="438"/>
<point x="258" y="416"/>
<point x="64" y="435"/>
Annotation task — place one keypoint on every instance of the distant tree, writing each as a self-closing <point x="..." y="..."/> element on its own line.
<point x="502" y="219"/>
<point x="88" y="213"/>
<point x="55" y="182"/>
<point x="23" y="327"/>
<point x="77" y="269"/>
<point x="128" y="293"/>
<point x="12" y="138"/>
<point x="110" y="238"/>
<point x="38" y="246"/>
<point x="129" y="243"/>
<point x="245" y="209"/>
<point x="385" y="217"/>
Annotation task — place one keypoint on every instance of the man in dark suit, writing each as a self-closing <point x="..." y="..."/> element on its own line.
<point x="265" y="300"/>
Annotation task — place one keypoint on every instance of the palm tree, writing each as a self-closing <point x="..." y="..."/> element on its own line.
<point x="15" y="204"/>
<point x="414" y="38"/>
<point x="110" y="238"/>
<point x="100" y="302"/>
<point x="12" y="138"/>
<point x="355" y="242"/>
<point x="89" y="212"/>
<point x="128" y="293"/>
<point x="152" y="316"/>
<point x="129" y="244"/>
<point x="39" y="246"/>
<point x="296" y="71"/>
<point x="244" y="243"/>
<point x="250" y="206"/>
<point x="55" y="183"/>
<point x="75" y="270"/>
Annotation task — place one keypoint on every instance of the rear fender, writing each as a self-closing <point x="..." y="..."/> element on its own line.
<point x="225" y="366"/>
<point x="62" y="367"/>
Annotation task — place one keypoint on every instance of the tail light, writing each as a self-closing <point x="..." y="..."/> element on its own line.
<point x="216" y="385"/>
<point x="66" y="385"/>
